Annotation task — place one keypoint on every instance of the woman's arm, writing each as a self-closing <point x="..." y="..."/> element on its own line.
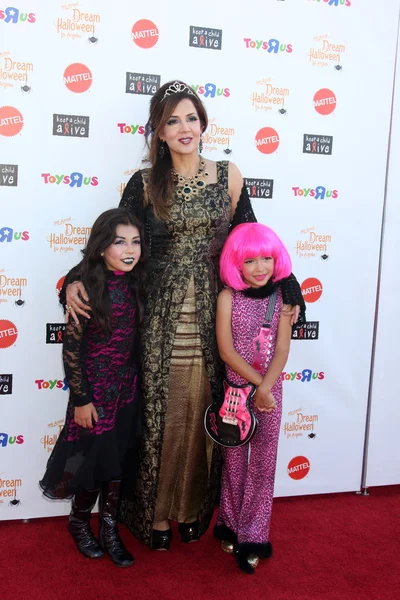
<point x="241" y="209"/>
<point x="225" y="340"/>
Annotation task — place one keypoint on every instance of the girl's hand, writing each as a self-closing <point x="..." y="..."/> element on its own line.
<point x="85" y="415"/>
<point x="291" y="311"/>
<point x="74" y="303"/>
<point x="264" y="400"/>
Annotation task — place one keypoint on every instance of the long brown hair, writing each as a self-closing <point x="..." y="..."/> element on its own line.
<point x="161" y="181"/>
<point x="93" y="272"/>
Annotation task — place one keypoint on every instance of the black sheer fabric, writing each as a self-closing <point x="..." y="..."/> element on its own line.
<point x="74" y="357"/>
<point x="244" y="211"/>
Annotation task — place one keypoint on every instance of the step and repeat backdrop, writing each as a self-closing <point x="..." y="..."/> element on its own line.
<point x="383" y="449"/>
<point x="298" y="96"/>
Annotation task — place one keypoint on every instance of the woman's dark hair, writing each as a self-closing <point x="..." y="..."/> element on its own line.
<point x="161" y="181"/>
<point x="93" y="270"/>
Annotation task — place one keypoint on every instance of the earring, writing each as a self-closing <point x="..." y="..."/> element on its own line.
<point x="102" y="254"/>
<point x="161" y="150"/>
<point x="201" y="145"/>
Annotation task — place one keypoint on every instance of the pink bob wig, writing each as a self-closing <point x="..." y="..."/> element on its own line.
<point x="250" y="240"/>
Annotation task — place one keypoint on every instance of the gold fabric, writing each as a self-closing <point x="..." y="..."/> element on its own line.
<point x="184" y="254"/>
<point x="185" y="460"/>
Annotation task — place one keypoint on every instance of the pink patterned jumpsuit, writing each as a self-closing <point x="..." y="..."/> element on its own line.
<point x="249" y="471"/>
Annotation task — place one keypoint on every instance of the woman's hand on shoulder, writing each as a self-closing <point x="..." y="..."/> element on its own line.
<point x="291" y="311"/>
<point x="235" y="185"/>
<point x="77" y="301"/>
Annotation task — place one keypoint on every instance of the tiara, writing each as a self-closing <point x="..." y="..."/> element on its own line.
<point x="178" y="88"/>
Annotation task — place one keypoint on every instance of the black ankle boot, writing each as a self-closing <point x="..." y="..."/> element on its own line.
<point x="79" y="523"/>
<point x="161" y="539"/>
<point x="108" y="530"/>
<point x="189" y="532"/>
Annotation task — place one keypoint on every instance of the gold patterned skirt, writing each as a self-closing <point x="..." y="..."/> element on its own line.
<point x="186" y="450"/>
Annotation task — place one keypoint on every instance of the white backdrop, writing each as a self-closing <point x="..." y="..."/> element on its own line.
<point x="383" y="465"/>
<point x="327" y="172"/>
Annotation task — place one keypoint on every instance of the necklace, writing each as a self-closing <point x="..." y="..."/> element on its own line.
<point x="188" y="187"/>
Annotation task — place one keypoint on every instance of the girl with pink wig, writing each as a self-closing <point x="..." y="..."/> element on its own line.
<point x="254" y="262"/>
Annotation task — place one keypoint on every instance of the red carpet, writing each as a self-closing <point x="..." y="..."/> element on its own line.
<point x="333" y="547"/>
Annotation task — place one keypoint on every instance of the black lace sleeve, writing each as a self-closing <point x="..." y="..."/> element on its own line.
<point x="291" y="294"/>
<point x="74" y="353"/>
<point x="133" y="196"/>
<point x="133" y="200"/>
<point x="244" y="211"/>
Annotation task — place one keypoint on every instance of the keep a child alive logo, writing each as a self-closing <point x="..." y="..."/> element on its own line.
<point x="6" y="384"/>
<point x="9" y="175"/>
<point x="143" y="84"/>
<point x="306" y="331"/>
<point x="71" y="126"/>
<point x="55" y="333"/>
<point x="259" y="188"/>
<point x="317" y="144"/>
<point x="205" y="37"/>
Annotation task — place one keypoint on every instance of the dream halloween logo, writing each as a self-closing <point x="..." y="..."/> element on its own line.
<point x="14" y="73"/>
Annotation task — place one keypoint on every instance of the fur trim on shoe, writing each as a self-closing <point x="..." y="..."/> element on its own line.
<point x="247" y="549"/>
<point x="223" y="533"/>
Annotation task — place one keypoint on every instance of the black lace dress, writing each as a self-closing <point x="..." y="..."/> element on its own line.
<point x="184" y="284"/>
<point x="100" y="368"/>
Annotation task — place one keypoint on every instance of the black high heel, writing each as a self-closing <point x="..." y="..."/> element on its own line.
<point x="189" y="531"/>
<point x="161" y="539"/>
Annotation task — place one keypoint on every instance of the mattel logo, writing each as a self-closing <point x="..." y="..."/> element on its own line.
<point x="306" y="331"/>
<point x="204" y="37"/>
<point x="324" y="101"/>
<point x="267" y="140"/>
<point x="145" y="33"/>
<point x="142" y="83"/>
<point x="9" y="175"/>
<point x="71" y="126"/>
<point x="6" y="384"/>
<point x="55" y="333"/>
<point x="259" y="188"/>
<point x="299" y="467"/>
<point x="311" y="289"/>
<point x="8" y="333"/>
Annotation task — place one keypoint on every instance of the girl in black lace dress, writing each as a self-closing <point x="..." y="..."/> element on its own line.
<point x="188" y="206"/>
<point x="103" y="409"/>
